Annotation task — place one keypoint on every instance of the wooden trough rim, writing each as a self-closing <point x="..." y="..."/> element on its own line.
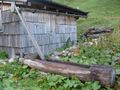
<point x="104" y="74"/>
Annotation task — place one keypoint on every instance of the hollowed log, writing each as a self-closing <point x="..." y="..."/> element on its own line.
<point x="104" y="74"/>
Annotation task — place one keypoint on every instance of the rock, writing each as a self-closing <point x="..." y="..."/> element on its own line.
<point x="69" y="54"/>
<point x="74" y="50"/>
<point x="2" y="62"/>
<point x="65" y="53"/>
<point x="57" y="53"/>
<point x="95" y="41"/>
<point x="11" y="60"/>
<point x="54" y="57"/>
<point x="87" y="44"/>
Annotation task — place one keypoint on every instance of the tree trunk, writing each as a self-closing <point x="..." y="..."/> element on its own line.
<point x="104" y="74"/>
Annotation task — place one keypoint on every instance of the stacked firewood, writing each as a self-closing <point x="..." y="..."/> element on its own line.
<point x="97" y="32"/>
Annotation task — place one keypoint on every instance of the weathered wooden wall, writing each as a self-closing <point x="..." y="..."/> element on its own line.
<point x="3" y="7"/>
<point x="50" y="31"/>
<point x="10" y="35"/>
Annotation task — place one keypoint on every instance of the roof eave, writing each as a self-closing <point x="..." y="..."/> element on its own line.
<point x="60" y="6"/>
<point x="57" y="6"/>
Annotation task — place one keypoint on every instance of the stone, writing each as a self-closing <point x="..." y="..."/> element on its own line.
<point x="73" y="50"/>
<point x="54" y="57"/>
<point x="87" y="44"/>
<point x="11" y="60"/>
<point x="2" y="62"/>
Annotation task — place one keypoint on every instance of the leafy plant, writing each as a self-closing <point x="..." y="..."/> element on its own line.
<point x="3" y="55"/>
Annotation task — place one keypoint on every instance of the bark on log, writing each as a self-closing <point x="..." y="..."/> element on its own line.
<point x="104" y="74"/>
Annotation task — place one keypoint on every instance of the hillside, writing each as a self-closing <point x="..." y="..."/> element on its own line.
<point x="102" y="13"/>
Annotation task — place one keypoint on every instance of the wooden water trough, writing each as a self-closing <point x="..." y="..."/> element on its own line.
<point x="104" y="74"/>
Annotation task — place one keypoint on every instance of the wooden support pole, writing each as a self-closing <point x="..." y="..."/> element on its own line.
<point x="34" y="42"/>
<point x="104" y="74"/>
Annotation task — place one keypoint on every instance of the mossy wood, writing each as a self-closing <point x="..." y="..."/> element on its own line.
<point x="104" y="74"/>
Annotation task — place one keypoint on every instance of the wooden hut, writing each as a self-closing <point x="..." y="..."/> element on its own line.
<point x="50" y="23"/>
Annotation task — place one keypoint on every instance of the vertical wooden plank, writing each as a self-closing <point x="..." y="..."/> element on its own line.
<point x="49" y="30"/>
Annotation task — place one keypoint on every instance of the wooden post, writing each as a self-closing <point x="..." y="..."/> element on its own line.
<point x="34" y="42"/>
<point x="104" y="74"/>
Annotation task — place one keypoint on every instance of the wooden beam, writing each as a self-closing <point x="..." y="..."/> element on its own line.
<point x="104" y="74"/>
<point x="51" y="12"/>
<point x="34" y="42"/>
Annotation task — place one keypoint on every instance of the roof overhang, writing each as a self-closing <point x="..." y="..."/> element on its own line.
<point x="15" y="0"/>
<point x="49" y="6"/>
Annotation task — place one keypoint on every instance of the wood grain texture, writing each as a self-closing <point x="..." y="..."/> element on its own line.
<point x="49" y="30"/>
<point x="104" y="74"/>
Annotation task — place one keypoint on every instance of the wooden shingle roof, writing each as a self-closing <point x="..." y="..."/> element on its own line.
<point x="59" y="7"/>
<point x="49" y="5"/>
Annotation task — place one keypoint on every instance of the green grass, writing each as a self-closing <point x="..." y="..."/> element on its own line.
<point x="3" y="55"/>
<point x="102" y="13"/>
<point x="16" y="76"/>
<point x="96" y="8"/>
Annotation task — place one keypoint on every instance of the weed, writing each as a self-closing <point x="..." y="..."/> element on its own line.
<point x="3" y="55"/>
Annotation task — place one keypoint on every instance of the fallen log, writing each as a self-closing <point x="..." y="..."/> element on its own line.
<point x="104" y="74"/>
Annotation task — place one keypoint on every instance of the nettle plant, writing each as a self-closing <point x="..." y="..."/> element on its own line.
<point x="3" y="55"/>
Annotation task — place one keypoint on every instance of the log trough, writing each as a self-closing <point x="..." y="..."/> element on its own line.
<point x="104" y="74"/>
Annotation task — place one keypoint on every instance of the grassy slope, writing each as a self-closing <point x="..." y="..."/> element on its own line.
<point x="102" y="13"/>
